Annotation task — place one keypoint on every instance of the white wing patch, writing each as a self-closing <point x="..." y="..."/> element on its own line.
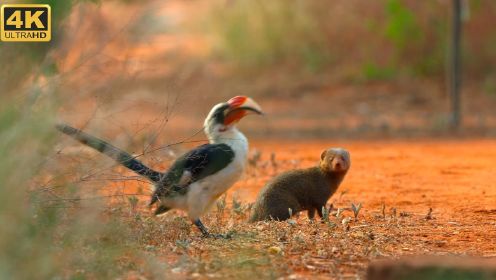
<point x="185" y="178"/>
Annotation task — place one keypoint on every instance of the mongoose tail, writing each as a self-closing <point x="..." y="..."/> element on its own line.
<point x="111" y="151"/>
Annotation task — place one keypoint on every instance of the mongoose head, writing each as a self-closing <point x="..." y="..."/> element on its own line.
<point x="335" y="160"/>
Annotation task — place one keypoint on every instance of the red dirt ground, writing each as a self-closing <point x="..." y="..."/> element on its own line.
<point x="453" y="177"/>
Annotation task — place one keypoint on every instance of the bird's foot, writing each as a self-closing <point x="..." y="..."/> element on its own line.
<point x="207" y="234"/>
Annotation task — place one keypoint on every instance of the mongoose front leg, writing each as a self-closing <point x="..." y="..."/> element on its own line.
<point x="205" y="232"/>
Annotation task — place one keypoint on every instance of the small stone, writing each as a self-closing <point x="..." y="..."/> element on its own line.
<point x="150" y="248"/>
<point x="346" y="221"/>
<point x="359" y="234"/>
<point x="274" y="250"/>
<point x="292" y="222"/>
<point x="176" y="270"/>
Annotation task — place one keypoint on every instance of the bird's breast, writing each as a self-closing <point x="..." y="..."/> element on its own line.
<point x="224" y="179"/>
<point x="221" y="181"/>
<point x="218" y="183"/>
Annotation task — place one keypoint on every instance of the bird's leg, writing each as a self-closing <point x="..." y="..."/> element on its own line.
<point x="205" y="232"/>
<point x="201" y="227"/>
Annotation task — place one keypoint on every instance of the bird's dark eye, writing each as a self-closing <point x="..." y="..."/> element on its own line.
<point x="220" y="113"/>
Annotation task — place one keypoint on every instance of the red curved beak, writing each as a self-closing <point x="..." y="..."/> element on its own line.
<point x="240" y="106"/>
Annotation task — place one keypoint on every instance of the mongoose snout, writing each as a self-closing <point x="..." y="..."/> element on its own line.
<point x="302" y="189"/>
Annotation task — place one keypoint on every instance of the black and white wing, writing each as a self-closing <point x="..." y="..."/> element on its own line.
<point x="193" y="166"/>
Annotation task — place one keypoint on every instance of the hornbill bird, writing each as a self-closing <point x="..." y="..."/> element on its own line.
<point x="197" y="178"/>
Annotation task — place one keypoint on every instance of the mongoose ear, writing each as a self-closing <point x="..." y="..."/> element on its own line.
<point x="322" y="156"/>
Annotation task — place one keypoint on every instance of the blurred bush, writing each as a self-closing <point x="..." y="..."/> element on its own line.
<point x="42" y="234"/>
<point x="46" y="230"/>
<point x="24" y="139"/>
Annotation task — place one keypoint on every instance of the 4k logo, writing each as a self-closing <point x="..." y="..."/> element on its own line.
<point x="25" y="23"/>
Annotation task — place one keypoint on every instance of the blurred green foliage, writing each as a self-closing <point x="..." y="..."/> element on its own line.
<point x="261" y="33"/>
<point x="372" y="38"/>
<point x="401" y="26"/>
<point x="373" y="72"/>
<point x="43" y="234"/>
<point x="24" y="140"/>
<point x="417" y="50"/>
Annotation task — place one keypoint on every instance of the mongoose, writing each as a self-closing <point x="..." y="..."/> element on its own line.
<point x="302" y="189"/>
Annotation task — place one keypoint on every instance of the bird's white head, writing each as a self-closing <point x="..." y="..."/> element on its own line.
<point x="223" y="117"/>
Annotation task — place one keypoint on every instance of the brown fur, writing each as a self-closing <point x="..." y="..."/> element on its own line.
<point x="302" y="189"/>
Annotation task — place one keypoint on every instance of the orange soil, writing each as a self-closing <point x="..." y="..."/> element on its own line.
<point x="454" y="178"/>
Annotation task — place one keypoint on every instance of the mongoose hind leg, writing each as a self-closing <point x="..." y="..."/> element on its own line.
<point x="311" y="213"/>
<point x="282" y="212"/>
<point x="319" y="211"/>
